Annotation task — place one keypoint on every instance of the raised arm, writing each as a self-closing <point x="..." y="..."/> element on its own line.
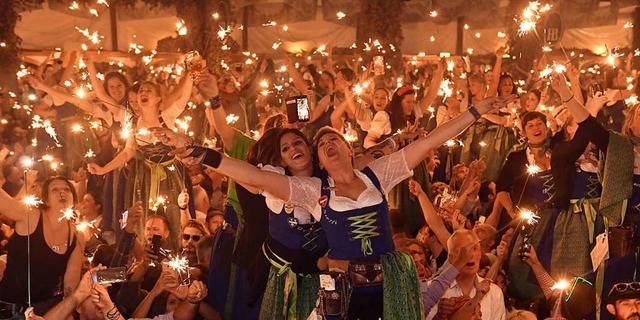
<point x="559" y="84"/>
<point x="64" y="309"/>
<point x="175" y="103"/>
<point x="12" y="208"/>
<point x="120" y="159"/>
<point x="96" y="83"/>
<point x="298" y="80"/>
<point x="497" y="68"/>
<point x="271" y="182"/>
<point x="432" y="92"/>
<point x="419" y="149"/>
<point x="430" y="215"/>
<point x="573" y="75"/>
<point x="208" y="85"/>
<point x="83" y="104"/>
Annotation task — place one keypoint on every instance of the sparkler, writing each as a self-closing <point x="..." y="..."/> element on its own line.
<point x="529" y="217"/>
<point x="562" y="286"/>
<point x="232" y="118"/>
<point x="533" y="169"/>
<point x="350" y="134"/>
<point x="90" y="154"/>
<point x="32" y="201"/>
<point x="530" y="16"/>
<point x="181" y="28"/>
<point x="69" y="214"/>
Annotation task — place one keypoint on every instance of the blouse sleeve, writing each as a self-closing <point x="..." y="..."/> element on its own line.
<point x="380" y="124"/>
<point x="391" y="170"/>
<point x="595" y="132"/>
<point x="304" y="192"/>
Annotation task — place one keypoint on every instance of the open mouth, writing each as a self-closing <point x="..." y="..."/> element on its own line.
<point x="297" y="155"/>
<point x="330" y="151"/>
<point x="537" y="134"/>
<point x="470" y="264"/>
<point x="144" y="99"/>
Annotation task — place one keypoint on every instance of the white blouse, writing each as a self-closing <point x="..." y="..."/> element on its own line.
<point x="390" y="170"/>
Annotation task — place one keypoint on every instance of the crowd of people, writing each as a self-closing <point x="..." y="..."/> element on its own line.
<point x="291" y="188"/>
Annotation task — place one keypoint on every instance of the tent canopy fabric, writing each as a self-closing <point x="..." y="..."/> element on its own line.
<point x="312" y="23"/>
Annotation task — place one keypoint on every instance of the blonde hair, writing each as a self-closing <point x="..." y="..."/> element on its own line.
<point x="521" y="315"/>
<point x="628" y="120"/>
<point x="460" y="233"/>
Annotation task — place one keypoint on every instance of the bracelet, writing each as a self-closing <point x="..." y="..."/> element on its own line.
<point x="216" y="102"/>
<point x="474" y="112"/>
<point x="572" y="96"/>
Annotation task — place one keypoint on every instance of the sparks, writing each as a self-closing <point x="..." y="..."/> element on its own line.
<point x="340" y="15"/>
<point x="93" y="12"/>
<point x="180" y="264"/>
<point x="533" y="169"/>
<point x="103" y="2"/>
<point x="90" y="154"/>
<point x="529" y="217"/>
<point x="232" y="118"/>
<point x="561" y="285"/>
<point x="482" y="144"/>
<point x="222" y="33"/>
<point x="31" y="201"/>
<point x="215" y="15"/>
<point x="181" y="28"/>
<point x="69" y="214"/>
<point x="628" y="25"/>
<point x="74" y="6"/>
<point x="433" y="14"/>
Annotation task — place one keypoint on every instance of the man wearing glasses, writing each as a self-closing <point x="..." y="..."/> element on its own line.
<point x="624" y="301"/>
<point x="192" y="233"/>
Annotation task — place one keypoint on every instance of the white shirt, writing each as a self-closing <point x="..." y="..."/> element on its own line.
<point x="390" y="170"/>
<point x="491" y="306"/>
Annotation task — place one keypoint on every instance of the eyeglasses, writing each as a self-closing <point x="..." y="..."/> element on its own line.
<point x="622" y="287"/>
<point x="195" y="237"/>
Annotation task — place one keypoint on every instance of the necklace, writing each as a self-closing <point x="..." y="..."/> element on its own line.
<point x="56" y="247"/>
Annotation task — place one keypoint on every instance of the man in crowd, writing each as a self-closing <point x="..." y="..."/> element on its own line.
<point x="468" y="282"/>
<point x="624" y="301"/>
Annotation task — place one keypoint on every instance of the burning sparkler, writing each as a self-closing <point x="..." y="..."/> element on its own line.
<point x="32" y="201"/>
<point x="529" y="217"/>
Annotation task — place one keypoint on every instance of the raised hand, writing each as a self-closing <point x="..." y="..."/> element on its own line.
<point x="415" y="188"/>
<point x="96" y="169"/>
<point x="197" y="292"/>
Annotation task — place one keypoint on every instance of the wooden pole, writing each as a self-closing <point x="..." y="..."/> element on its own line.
<point x="113" y="22"/>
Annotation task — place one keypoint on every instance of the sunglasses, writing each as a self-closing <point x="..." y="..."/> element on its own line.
<point x="195" y="237"/>
<point x="622" y="287"/>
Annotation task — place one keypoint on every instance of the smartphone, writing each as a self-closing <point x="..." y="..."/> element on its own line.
<point x="298" y="109"/>
<point x="596" y="89"/>
<point x="156" y="241"/>
<point x="111" y="275"/>
<point x="378" y="65"/>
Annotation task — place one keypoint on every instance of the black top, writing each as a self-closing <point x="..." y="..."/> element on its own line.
<point x="564" y="155"/>
<point x="47" y="268"/>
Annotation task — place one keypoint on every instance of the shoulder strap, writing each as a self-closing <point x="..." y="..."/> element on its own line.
<point x="369" y="173"/>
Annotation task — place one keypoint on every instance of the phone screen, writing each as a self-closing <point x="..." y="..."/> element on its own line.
<point x="298" y="109"/>
<point x="303" y="111"/>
